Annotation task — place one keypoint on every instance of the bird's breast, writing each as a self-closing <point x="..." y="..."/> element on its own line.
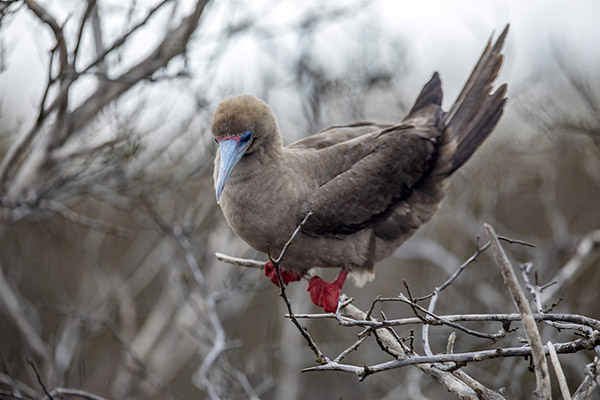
<point x="261" y="207"/>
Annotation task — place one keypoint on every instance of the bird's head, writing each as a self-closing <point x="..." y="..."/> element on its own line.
<point x="243" y="125"/>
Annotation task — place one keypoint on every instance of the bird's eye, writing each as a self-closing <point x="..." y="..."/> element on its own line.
<point x="246" y="137"/>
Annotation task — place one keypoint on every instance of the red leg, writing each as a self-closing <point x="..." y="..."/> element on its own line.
<point x="325" y="294"/>
<point x="286" y="276"/>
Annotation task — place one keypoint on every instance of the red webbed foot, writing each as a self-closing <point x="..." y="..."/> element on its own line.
<point x="286" y="276"/>
<point x="325" y="294"/>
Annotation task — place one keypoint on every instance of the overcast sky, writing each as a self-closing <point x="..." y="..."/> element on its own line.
<point x="440" y="35"/>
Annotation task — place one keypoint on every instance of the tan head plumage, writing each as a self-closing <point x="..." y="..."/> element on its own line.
<point x="239" y="114"/>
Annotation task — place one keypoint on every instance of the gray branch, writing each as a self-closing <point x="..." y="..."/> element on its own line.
<point x="542" y="375"/>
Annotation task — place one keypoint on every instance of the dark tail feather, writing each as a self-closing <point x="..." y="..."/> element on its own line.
<point x="430" y="94"/>
<point x="476" y="110"/>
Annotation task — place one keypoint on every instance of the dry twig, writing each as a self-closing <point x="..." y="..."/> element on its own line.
<point x="542" y="375"/>
<point x="444" y="368"/>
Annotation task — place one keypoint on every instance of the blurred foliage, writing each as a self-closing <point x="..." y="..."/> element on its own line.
<point x="536" y="179"/>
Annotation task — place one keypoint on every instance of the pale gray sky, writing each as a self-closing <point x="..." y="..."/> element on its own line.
<point x="447" y="36"/>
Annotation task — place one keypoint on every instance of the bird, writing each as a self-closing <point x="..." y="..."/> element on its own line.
<point x="369" y="186"/>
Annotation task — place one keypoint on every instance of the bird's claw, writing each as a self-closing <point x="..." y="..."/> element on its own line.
<point x="286" y="276"/>
<point x="325" y="294"/>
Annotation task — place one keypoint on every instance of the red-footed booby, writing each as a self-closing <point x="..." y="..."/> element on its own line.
<point x="370" y="186"/>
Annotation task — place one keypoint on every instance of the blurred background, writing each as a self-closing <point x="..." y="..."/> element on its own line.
<point x="108" y="222"/>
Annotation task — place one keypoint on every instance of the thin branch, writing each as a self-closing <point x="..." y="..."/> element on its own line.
<point x="83" y="220"/>
<point x="578" y="321"/>
<point x="98" y="44"/>
<point x="51" y="81"/>
<point x="442" y="367"/>
<point x="543" y="388"/>
<point x="573" y="268"/>
<point x="219" y="343"/>
<point x="63" y="211"/>
<point x="350" y="349"/>
<point x="560" y="375"/>
<point x="536" y="293"/>
<point x="590" y="382"/>
<point x="59" y="127"/>
<point x="391" y="345"/>
<point x="39" y="378"/>
<point x="291" y="239"/>
<point x="440" y="321"/>
<point x="173" y="44"/>
<point x="242" y="262"/>
<point x="90" y="5"/>
<point x="436" y="293"/>
<point x="16" y="385"/>
<point x="118" y="334"/>
<point x="64" y="91"/>
<point x="12" y="395"/>
<point x="218" y="337"/>
<point x="461" y="358"/>
<point x="192" y="263"/>
<point x="321" y="358"/>
<point x="121" y="40"/>
<point x="470" y="260"/>
<point x="66" y="124"/>
<point x="59" y="391"/>
<point x="483" y="392"/>
<point x="16" y="311"/>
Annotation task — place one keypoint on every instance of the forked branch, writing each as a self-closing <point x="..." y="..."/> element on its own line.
<point x="445" y="368"/>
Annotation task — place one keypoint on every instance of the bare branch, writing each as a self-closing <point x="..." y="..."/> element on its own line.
<point x="16" y="311"/>
<point x="39" y="378"/>
<point x="436" y="293"/>
<point x="350" y="349"/>
<point x="121" y="40"/>
<point x="542" y="375"/>
<point x="91" y="4"/>
<point x="470" y="260"/>
<point x="60" y="124"/>
<point x="579" y="322"/>
<point x="585" y="324"/>
<point x="388" y="340"/>
<point x="441" y="367"/>
<point x="174" y="44"/>
<point x="219" y="343"/>
<point x="435" y="319"/>
<point x="573" y="268"/>
<point x="460" y="358"/>
<point x="67" y="123"/>
<point x="321" y="358"/>
<point x="92" y="223"/>
<point x="118" y="334"/>
<point x="560" y="375"/>
<point x="536" y="292"/>
<point x="242" y="262"/>
<point x="72" y="392"/>
<point x="16" y="386"/>
<point x="11" y="395"/>
<point x="98" y="44"/>
<point x="591" y="381"/>
<point x="63" y="211"/>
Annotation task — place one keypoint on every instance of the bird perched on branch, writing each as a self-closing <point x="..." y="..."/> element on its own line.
<point x="370" y="186"/>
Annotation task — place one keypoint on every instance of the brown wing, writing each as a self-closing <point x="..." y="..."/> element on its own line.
<point x="337" y="134"/>
<point x="369" y="190"/>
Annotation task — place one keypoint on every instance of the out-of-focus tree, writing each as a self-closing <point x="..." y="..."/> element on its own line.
<point x="108" y="225"/>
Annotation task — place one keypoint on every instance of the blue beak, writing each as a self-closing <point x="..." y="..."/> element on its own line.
<point x="232" y="152"/>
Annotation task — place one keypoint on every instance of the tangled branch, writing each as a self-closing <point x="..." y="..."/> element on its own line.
<point x="446" y="368"/>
